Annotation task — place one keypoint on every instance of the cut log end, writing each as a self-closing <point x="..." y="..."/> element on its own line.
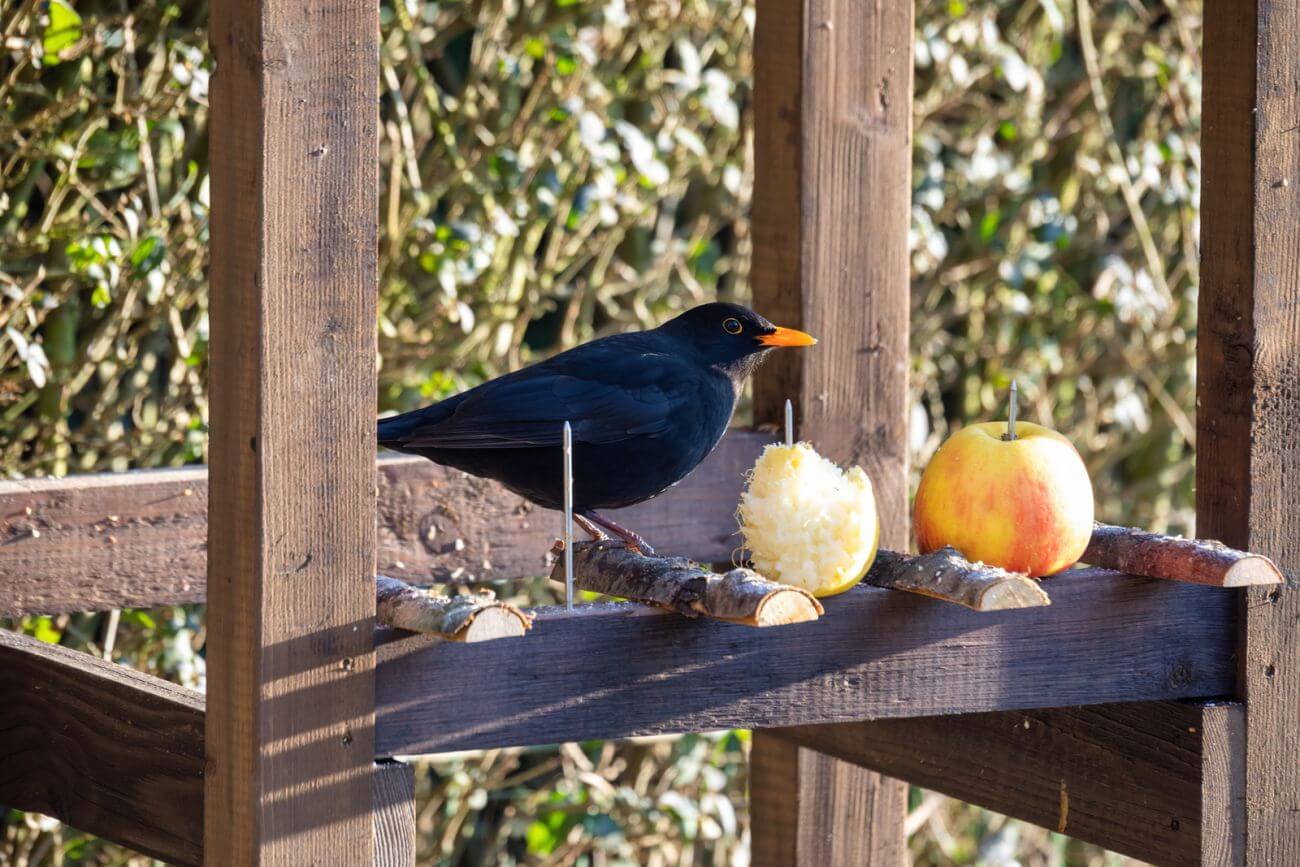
<point x="467" y="619"/>
<point x="785" y="606"/>
<point x="1172" y="558"/>
<point x="741" y="596"/>
<point x="1252" y="571"/>
<point x="496" y="621"/>
<point x="945" y="574"/>
<point x="1019" y="592"/>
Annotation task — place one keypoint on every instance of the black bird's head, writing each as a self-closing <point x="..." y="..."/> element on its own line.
<point x="729" y="336"/>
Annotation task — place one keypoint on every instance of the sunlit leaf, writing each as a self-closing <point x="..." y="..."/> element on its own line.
<point x="62" y="31"/>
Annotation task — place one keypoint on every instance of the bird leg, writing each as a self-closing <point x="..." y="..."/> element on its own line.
<point x="590" y="528"/>
<point x="630" y="538"/>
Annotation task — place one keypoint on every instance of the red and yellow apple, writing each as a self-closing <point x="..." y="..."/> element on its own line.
<point x="1023" y="504"/>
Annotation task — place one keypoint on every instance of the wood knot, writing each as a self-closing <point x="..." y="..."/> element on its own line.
<point x="429" y="534"/>
<point x="277" y="53"/>
<point x="1180" y="675"/>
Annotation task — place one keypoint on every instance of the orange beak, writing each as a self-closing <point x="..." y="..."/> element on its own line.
<point x="787" y="337"/>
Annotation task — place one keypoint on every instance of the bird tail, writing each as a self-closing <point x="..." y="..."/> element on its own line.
<point x="392" y="430"/>
<point x="396" y="430"/>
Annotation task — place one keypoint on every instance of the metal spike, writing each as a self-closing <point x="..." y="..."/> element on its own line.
<point x="789" y="423"/>
<point x="568" y="516"/>
<point x="1011" y="412"/>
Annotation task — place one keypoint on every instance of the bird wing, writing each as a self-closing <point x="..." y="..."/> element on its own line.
<point x="606" y="400"/>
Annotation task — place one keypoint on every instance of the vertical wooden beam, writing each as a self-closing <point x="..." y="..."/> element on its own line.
<point x="1248" y="451"/>
<point x="394" y="816"/>
<point x="832" y="205"/>
<point x="810" y="808"/>
<point x="291" y="545"/>
<point x="1223" y="785"/>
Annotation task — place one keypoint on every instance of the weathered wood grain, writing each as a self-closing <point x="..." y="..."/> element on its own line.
<point x="118" y="540"/>
<point x="103" y="541"/>
<point x="616" y="670"/>
<point x="832" y="209"/>
<point x="1248" y="357"/>
<point x="1223" y="785"/>
<point x="291" y="533"/>
<point x="103" y="747"/>
<point x="1128" y="777"/>
<point x="394" y="815"/>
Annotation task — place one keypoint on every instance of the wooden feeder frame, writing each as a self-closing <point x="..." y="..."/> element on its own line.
<point x="1153" y="718"/>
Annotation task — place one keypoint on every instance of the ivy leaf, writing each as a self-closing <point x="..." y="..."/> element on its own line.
<point x="42" y="629"/>
<point x="148" y="254"/>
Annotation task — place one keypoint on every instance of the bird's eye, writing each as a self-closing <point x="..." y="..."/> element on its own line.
<point x="732" y="326"/>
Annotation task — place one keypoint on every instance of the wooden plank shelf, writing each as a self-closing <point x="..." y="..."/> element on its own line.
<point x="620" y="669"/>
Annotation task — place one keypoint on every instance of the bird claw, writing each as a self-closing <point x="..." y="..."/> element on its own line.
<point x="641" y="546"/>
<point x="589" y="527"/>
<point x="630" y="538"/>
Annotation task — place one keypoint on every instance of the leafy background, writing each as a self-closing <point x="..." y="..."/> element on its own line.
<point x="558" y="169"/>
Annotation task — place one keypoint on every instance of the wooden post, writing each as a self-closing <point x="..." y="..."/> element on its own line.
<point x="832" y="205"/>
<point x="291" y="544"/>
<point x="810" y="808"/>
<point x="394" y="816"/>
<point x="1248" y="453"/>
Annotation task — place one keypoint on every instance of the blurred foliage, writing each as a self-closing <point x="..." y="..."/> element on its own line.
<point x="1055" y="227"/>
<point x="557" y="169"/>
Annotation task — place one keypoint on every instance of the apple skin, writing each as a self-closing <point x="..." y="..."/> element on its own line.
<point x="1025" y="505"/>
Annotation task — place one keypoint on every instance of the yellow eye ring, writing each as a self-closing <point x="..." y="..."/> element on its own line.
<point x="732" y="326"/>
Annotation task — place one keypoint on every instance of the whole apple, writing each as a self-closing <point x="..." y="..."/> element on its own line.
<point x="1023" y="504"/>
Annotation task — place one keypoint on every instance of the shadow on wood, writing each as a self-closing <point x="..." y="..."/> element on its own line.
<point x="614" y="670"/>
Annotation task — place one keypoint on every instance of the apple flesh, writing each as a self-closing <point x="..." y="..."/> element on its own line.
<point x="1024" y="504"/>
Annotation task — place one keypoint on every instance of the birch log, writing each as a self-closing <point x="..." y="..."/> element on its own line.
<point x="477" y="617"/>
<point x="946" y="575"/>
<point x="677" y="584"/>
<point x="1197" y="561"/>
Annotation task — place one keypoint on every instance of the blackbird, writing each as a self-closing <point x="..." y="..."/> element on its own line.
<point x="646" y="408"/>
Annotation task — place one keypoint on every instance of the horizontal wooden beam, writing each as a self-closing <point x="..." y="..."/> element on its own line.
<point x="119" y="754"/>
<point x="1159" y="781"/>
<point x="138" y="539"/>
<point x="616" y="670"/>
<point x="108" y="750"/>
